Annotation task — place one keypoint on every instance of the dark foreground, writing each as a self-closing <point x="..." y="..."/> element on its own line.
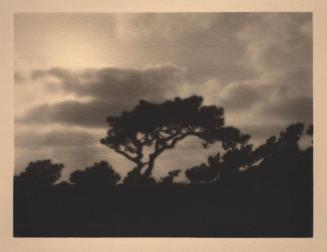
<point x="240" y="192"/>
<point x="251" y="205"/>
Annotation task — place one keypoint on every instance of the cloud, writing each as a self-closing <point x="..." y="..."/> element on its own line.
<point x="203" y="42"/>
<point x="111" y="90"/>
<point x="234" y="96"/>
<point x="278" y="47"/>
<point x="170" y="26"/>
<point x="275" y="42"/>
<point x="298" y="109"/>
<point x="295" y="83"/>
<point x="262" y="132"/>
<point x="241" y="96"/>
<point x="100" y="83"/>
<point x="258" y="66"/>
<point x="83" y="114"/>
<point x="54" y="138"/>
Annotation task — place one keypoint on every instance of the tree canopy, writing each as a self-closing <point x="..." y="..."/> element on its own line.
<point x="100" y="175"/>
<point x="159" y="127"/>
<point x="40" y="173"/>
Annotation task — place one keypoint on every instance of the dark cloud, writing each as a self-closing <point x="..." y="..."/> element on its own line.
<point x="204" y="43"/>
<point x="298" y="109"/>
<point x="241" y="96"/>
<point x="60" y="73"/>
<point x="84" y="114"/>
<point x="296" y="82"/>
<point x="111" y="91"/>
<point x="54" y="138"/>
<point x="260" y="132"/>
<point x="114" y="83"/>
<point x="276" y="41"/>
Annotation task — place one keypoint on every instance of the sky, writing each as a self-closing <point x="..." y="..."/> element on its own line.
<point x="72" y="70"/>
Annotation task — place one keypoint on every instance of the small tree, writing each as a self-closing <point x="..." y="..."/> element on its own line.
<point x="285" y="144"/>
<point x="290" y="138"/>
<point x="202" y="174"/>
<point x="310" y="130"/>
<point x="159" y="127"/>
<point x="225" y="167"/>
<point x="41" y="173"/>
<point x="235" y="160"/>
<point x="100" y="175"/>
<point x="170" y="177"/>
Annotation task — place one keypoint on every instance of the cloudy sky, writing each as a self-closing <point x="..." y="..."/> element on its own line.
<point x="72" y="70"/>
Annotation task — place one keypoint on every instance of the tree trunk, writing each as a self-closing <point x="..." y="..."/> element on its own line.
<point x="134" y="175"/>
<point x="138" y="168"/>
<point x="149" y="169"/>
<point x="152" y="159"/>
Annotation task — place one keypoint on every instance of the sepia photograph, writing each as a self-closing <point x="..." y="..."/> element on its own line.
<point x="158" y="124"/>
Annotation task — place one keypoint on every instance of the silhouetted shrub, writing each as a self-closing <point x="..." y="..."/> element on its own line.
<point x="135" y="178"/>
<point x="235" y="160"/>
<point x="41" y="173"/>
<point x="310" y="130"/>
<point x="171" y="176"/>
<point x="100" y="175"/>
<point x="202" y="173"/>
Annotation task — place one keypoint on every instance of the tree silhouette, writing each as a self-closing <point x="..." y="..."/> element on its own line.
<point x="201" y="174"/>
<point x="41" y="173"/>
<point x="144" y="133"/>
<point x="225" y="167"/>
<point x="237" y="154"/>
<point x="98" y="176"/>
<point x="204" y="173"/>
<point x="272" y="197"/>
<point x="236" y="159"/>
<point x="170" y="178"/>
<point x="278" y="149"/>
<point x="310" y="130"/>
<point x="289" y="139"/>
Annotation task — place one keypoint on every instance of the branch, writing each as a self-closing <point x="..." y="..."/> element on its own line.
<point x="176" y="137"/>
<point x="133" y="159"/>
<point x="161" y="145"/>
<point x="176" y="140"/>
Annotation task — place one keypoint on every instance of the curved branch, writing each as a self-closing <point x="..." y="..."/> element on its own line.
<point x="160" y="146"/>
<point x="133" y="159"/>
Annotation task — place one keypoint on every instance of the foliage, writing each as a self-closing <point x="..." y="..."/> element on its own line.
<point x="170" y="177"/>
<point x="239" y="191"/>
<point x="41" y="173"/>
<point x="160" y="127"/>
<point x="100" y="175"/>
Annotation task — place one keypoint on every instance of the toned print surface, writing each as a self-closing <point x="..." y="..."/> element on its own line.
<point x="163" y="125"/>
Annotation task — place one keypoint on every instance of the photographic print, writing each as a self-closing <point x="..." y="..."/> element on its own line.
<point x="163" y="124"/>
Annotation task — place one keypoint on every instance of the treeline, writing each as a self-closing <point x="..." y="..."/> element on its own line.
<point x="276" y="154"/>
<point x="241" y="191"/>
